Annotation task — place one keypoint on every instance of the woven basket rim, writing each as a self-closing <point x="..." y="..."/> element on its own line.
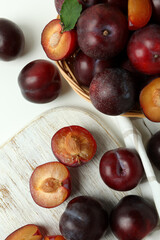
<point x="84" y="91"/>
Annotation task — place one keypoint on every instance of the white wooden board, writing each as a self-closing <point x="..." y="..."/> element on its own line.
<point x="32" y="147"/>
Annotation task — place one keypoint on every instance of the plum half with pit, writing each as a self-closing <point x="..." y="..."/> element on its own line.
<point x="121" y="169"/>
<point x="73" y="145"/>
<point x="12" y="40"/>
<point x="84" y="218"/>
<point x="112" y="91"/>
<point x="57" y="44"/>
<point x="40" y="81"/>
<point x="26" y="232"/>
<point x="153" y="149"/>
<point x="102" y="31"/>
<point x="50" y="184"/>
<point x="85" y="67"/>
<point x="133" y="218"/>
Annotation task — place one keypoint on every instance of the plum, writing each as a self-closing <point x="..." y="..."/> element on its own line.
<point x="121" y="4"/>
<point x="57" y="44"/>
<point x="85" y="67"/>
<point x="133" y="218"/>
<point x="153" y="149"/>
<point x="150" y="100"/>
<point x="144" y="49"/>
<point x="139" y="13"/>
<point x="156" y="10"/>
<point x="85" y="3"/>
<point x="121" y="169"/>
<point x="50" y="184"/>
<point x="84" y="218"/>
<point x="40" y="81"/>
<point x="112" y="91"/>
<point x="73" y="145"/>
<point x="26" y="232"/>
<point x="12" y="40"/>
<point x="102" y="31"/>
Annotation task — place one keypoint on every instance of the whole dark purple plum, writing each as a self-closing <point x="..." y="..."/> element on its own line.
<point x="121" y="4"/>
<point x="133" y="218"/>
<point x="85" y="67"/>
<point x="102" y="31"/>
<point x="153" y="149"/>
<point x="84" y="218"/>
<point x="40" y="81"/>
<point x="113" y="91"/>
<point x="11" y="40"/>
<point x="85" y="3"/>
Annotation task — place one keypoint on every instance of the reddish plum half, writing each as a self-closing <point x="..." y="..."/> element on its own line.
<point x="57" y="44"/>
<point x="40" y="81"/>
<point x="102" y="31"/>
<point x="121" y="169"/>
<point x="150" y="100"/>
<point x="73" y="145"/>
<point x="50" y="184"/>
<point x="133" y="218"/>
<point x="12" y="40"/>
<point x="112" y="91"/>
<point x="139" y="13"/>
<point x="27" y="232"/>
<point x="84" y="218"/>
<point x="144" y="49"/>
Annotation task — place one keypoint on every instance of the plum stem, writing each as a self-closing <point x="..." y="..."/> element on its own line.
<point x="156" y="56"/>
<point x="72" y="144"/>
<point x="105" y="32"/>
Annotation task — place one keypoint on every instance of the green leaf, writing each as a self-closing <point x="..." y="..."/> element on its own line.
<point x="69" y="14"/>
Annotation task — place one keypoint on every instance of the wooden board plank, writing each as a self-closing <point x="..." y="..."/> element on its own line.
<point x="32" y="147"/>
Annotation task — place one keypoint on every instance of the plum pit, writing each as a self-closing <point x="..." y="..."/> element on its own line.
<point x="50" y="185"/>
<point x="73" y="145"/>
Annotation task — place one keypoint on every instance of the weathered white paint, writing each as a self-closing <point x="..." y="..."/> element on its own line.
<point x="32" y="147"/>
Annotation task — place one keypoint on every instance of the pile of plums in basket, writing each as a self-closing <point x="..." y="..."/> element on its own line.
<point x="85" y="217"/>
<point x="114" y="49"/>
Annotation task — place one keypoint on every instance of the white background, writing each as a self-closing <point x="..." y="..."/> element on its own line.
<point x="15" y="111"/>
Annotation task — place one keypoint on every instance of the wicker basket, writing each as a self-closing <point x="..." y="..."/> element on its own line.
<point x="66" y="72"/>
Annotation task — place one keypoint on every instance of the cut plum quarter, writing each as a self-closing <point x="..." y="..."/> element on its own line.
<point x="150" y="100"/>
<point x="57" y="44"/>
<point x="139" y="13"/>
<point x="54" y="237"/>
<point x="50" y="184"/>
<point x="73" y="145"/>
<point x="27" y="232"/>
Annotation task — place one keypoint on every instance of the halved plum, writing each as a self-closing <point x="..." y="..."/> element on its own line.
<point x="57" y="44"/>
<point x="73" y="145"/>
<point x="54" y="237"/>
<point x="27" y="232"/>
<point x="50" y="184"/>
<point x="139" y="13"/>
<point x="150" y="100"/>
